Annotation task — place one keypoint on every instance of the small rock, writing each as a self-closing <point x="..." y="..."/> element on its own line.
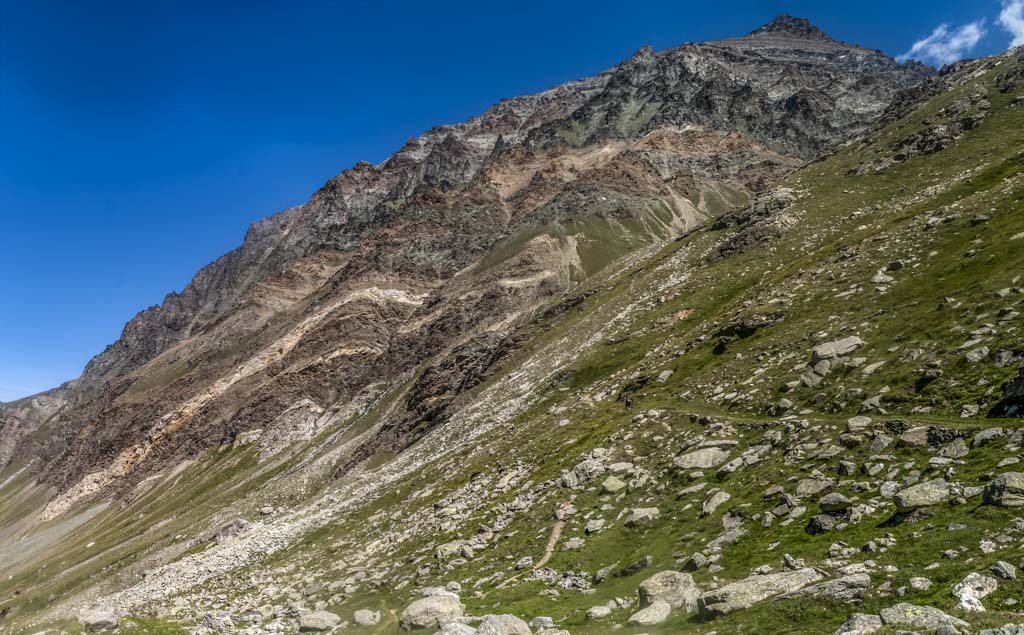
<point x="612" y="485"/>
<point x="920" y="584"/>
<point x="1004" y="570"/>
<point x="973" y="589"/>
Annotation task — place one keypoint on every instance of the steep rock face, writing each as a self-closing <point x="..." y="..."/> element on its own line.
<point x="338" y="216"/>
<point x="786" y="85"/>
<point x="20" y="419"/>
<point x="413" y="272"/>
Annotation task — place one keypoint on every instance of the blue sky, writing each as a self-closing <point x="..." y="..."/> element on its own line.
<point x="138" y="140"/>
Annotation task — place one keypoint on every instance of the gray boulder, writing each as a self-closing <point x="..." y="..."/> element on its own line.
<point x="821" y="523"/>
<point x="642" y="516"/>
<point x="915" y="437"/>
<point x="98" y="619"/>
<point x="432" y="611"/>
<point x="746" y="593"/>
<point x="860" y="624"/>
<point x="834" y="502"/>
<point x="456" y="628"/>
<point x="503" y="625"/>
<point x="713" y="501"/>
<point x="811" y="486"/>
<point x="366" y="617"/>
<point x="656" y="613"/>
<point x="925" y="494"/>
<point x="1006" y="490"/>
<point x="317" y="621"/>
<point x="1004" y="570"/>
<point x="702" y="459"/>
<point x="599" y="612"/>
<point x="844" y="589"/>
<point x="835" y="349"/>
<point x="986" y="436"/>
<point x="612" y="485"/>
<point x="974" y="588"/>
<point x="859" y="423"/>
<point x="676" y="588"/>
<point x="914" y="616"/>
<point x="976" y="355"/>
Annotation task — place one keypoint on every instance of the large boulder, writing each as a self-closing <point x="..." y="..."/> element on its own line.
<point x="703" y="459"/>
<point x="712" y="502"/>
<point x="502" y="625"/>
<point x="844" y="589"/>
<point x="924" y="494"/>
<point x="642" y="516"/>
<point x="835" y="349"/>
<point x="746" y="593"/>
<point x="456" y="628"/>
<point x="317" y="621"/>
<point x="674" y="587"/>
<point x="656" y="613"/>
<point x="860" y="624"/>
<point x="914" y="616"/>
<point x="834" y="502"/>
<point x="432" y="611"/>
<point x="98" y="619"/>
<point x="1006" y="490"/>
<point x="916" y="437"/>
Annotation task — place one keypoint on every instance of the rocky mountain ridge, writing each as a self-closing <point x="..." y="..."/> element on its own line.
<point x="665" y="133"/>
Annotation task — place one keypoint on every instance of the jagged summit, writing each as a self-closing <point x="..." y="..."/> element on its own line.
<point x="791" y="26"/>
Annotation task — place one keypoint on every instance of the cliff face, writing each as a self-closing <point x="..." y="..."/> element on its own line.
<point x="20" y="420"/>
<point x="404" y="279"/>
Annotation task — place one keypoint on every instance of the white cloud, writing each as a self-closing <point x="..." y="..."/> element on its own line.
<point x="945" y="46"/>
<point x="1011" y="18"/>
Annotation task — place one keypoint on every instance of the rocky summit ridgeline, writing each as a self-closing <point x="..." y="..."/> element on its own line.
<point x="727" y="335"/>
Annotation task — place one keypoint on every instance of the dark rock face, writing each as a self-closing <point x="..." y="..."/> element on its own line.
<point x="786" y="85"/>
<point x="789" y="27"/>
<point x="19" y="419"/>
<point x="757" y="224"/>
<point x="1012" y="404"/>
<point x="411" y="275"/>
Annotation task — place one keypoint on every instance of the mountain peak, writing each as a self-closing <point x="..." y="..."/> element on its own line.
<point x="790" y="26"/>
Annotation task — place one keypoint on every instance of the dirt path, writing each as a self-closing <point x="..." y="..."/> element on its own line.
<point x="556" y="534"/>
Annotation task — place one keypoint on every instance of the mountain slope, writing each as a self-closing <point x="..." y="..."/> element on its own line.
<point x="449" y="244"/>
<point x="492" y="384"/>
